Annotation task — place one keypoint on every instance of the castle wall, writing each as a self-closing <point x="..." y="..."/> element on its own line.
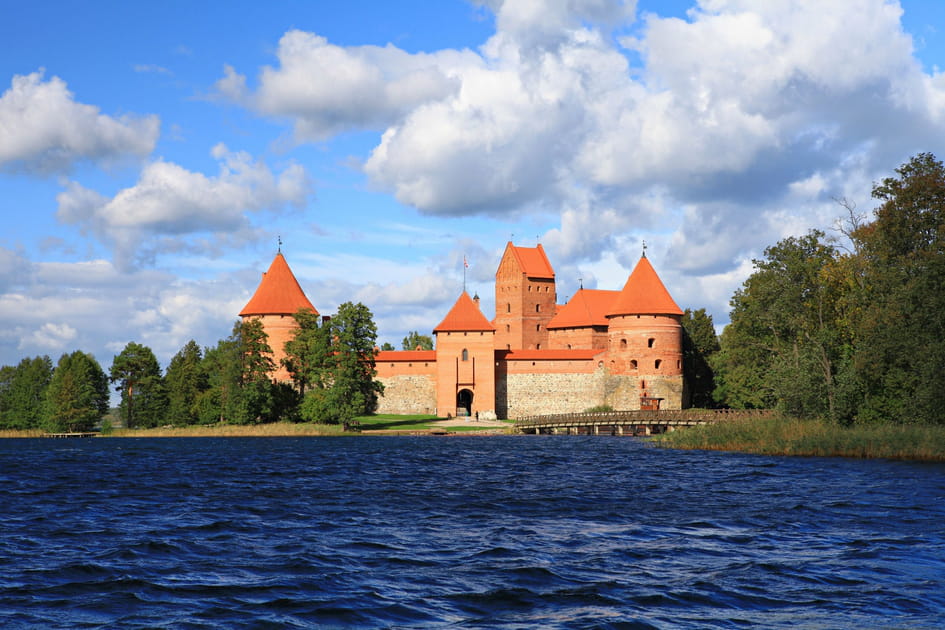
<point x="409" y="380"/>
<point x="586" y="338"/>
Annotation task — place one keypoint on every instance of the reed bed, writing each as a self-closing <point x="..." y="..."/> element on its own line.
<point x="274" y="429"/>
<point x="20" y="433"/>
<point x="787" y="436"/>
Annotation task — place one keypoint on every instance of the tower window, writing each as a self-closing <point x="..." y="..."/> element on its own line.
<point x="465" y="354"/>
<point x="633" y="364"/>
<point x="650" y="342"/>
<point x="538" y="327"/>
<point x="623" y="344"/>
<point x="508" y="307"/>
<point x="657" y="364"/>
<point x="538" y="308"/>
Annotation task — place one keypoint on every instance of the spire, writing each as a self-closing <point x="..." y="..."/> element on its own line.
<point x="644" y="294"/>
<point x="278" y="292"/>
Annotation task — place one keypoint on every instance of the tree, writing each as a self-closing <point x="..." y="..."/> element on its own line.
<point x="416" y="341"/>
<point x="782" y="345"/>
<point x="335" y="361"/>
<point x="700" y="343"/>
<point x="185" y="381"/>
<point x="899" y="320"/>
<point x="23" y="392"/>
<point x="143" y="395"/>
<point x="387" y="346"/>
<point x="77" y="396"/>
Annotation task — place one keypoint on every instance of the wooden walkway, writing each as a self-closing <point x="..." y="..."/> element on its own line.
<point x="629" y="422"/>
<point x="72" y="434"/>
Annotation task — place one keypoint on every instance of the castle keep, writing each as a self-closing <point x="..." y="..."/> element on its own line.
<point x="618" y="348"/>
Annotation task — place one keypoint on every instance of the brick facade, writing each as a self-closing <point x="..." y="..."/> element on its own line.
<point x="617" y="348"/>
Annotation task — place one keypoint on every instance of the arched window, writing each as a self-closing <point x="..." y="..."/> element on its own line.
<point x="508" y="307"/>
<point x="657" y="364"/>
<point x="623" y="344"/>
<point x="650" y="342"/>
<point x="465" y="354"/>
<point x="633" y="364"/>
<point x="538" y="308"/>
<point x="508" y="328"/>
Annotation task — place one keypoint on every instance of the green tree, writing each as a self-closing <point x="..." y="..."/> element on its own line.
<point x="387" y="346"/>
<point x="416" y="341"/>
<point x="336" y="362"/>
<point x="899" y="320"/>
<point x="77" y="396"/>
<point x="782" y="345"/>
<point x="143" y="395"/>
<point x="700" y="343"/>
<point x="185" y="380"/>
<point x="23" y="392"/>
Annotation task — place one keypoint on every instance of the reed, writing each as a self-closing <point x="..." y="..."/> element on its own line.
<point x="789" y="436"/>
<point x="20" y="433"/>
<point x="274" y="429"/>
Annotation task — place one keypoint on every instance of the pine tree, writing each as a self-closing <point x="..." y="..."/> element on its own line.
<point x="138" y="377"/>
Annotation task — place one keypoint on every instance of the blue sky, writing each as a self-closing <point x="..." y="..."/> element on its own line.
<point x="152" y="153"/>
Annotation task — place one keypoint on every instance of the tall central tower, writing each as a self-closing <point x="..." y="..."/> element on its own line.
<point x="525" y="298"/>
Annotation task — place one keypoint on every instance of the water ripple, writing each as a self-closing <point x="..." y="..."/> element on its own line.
<point x="507" y="532"/>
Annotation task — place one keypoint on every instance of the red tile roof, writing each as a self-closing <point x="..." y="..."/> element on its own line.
<point x="393" y="356"/>
<point x="465" y="316"/>
<point x="549" y="355"/>
<point x="532" y="261"/>
<point x="644" y="294"/>
<point x="278" y="292"/>
<point x="588" y="307"/>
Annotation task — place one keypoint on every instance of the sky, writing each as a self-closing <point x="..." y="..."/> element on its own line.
<point x="152" y="155"/>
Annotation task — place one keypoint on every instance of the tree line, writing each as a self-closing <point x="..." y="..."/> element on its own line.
<point x="330" y="361"/>
<point x="847" y="327"/>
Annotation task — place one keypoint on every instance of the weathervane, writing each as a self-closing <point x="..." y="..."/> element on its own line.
<point x="280" y="244"/>
<point x="644" y="248"/>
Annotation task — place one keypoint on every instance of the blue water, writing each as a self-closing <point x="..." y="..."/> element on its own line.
<point x="498" y="532"/>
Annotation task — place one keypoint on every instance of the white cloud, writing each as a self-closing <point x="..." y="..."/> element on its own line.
<point x="169" y="202"/>
<point x="44" y="130"/>
<point x="50" y="337"/>
<point x="326" y="89"/>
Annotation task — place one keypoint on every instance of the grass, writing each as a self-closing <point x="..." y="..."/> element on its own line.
<point x="787" y="436"/>
<point x="381" y="422"/>
<point x="392" y="422"/>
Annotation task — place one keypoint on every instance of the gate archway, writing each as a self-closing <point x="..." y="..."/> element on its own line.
<point x="464" y="400"/>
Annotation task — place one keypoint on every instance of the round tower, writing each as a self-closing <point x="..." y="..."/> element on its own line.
<point x="278" y="297"/>
<point x="645" y="342"/>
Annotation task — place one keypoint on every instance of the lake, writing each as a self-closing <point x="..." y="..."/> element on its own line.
<point x="497" y="532"/>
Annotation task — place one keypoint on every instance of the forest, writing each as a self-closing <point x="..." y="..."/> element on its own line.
<point x="847" y="327"/>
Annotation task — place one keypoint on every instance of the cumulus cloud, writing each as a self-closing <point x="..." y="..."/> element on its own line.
<point x="712" y="136"/>
<point x="97" y="307"/>
<point x="44" y="130"/>
<point x="325" y="89"/>
<point x="170" y="202"/>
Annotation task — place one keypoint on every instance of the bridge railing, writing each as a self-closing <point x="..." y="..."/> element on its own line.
<point x="638" y="416"/>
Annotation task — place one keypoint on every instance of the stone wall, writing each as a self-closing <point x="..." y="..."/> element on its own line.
<point x="540" y="393"/>
<point x="408" y="394"/>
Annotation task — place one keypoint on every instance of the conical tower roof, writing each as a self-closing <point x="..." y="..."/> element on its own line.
<point x="465" y="316"/>
<point x="278" y="292"/>
<point x="588" y="307"/>
<point x="644" y="294"/>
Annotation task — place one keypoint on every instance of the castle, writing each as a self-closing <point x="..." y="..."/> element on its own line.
<point x="618" y="348"/>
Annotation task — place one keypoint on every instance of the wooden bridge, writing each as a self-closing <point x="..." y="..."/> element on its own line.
<point x="637" y="422"/>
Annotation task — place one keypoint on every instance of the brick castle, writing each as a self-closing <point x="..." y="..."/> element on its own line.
<point x="618" y="348"/>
